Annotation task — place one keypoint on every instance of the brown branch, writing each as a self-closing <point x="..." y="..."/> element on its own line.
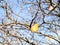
<point x="25" y="39"/>
<point x="48" y="36"/>
<point x="51" y="2"/>
<point x="25" y="25"/>
<point x="33" y="18"/>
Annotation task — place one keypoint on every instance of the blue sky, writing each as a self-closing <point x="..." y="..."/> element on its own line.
<point x="22" y="10"/>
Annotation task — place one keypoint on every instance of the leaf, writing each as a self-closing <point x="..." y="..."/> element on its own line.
<point x="48" y="38"/>
<point x="50" y="7"/>
<point x="34" y="28"/>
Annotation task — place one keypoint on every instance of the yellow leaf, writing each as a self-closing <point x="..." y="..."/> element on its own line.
<point x="48" y="38"/>
<point x="34" y="28"/>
